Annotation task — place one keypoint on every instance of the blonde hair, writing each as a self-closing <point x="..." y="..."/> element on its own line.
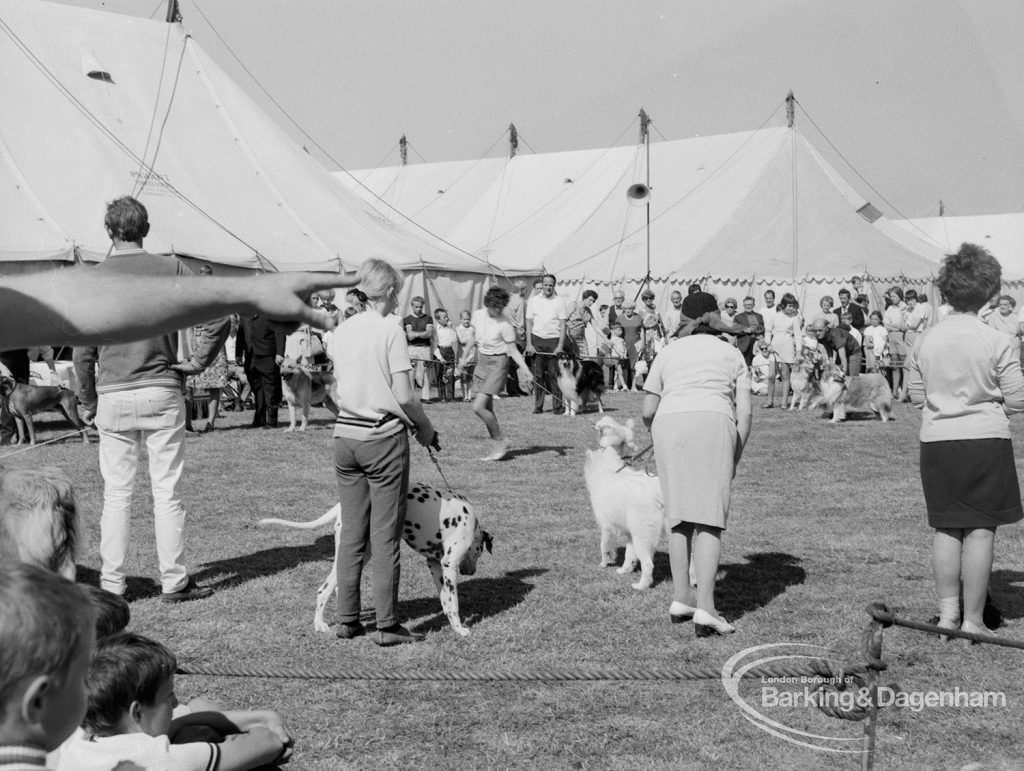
<point x="376" y="276"/>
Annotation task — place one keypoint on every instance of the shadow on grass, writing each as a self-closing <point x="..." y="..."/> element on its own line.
<point x="138" y="588"/>
<point x="479" y="598"/>
<point x="228" y="573"/>
<point x="1005" y="586"/>
<point x="558" y="449"/>
<point x="747" y="586"/>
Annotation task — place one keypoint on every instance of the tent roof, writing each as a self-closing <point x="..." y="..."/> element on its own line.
<point x="726" y="206"/>
<point x="229" y="185"/>
<point x="1001" y="234"/>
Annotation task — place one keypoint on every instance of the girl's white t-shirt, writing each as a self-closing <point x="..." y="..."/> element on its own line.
<point x="492" y="335"/>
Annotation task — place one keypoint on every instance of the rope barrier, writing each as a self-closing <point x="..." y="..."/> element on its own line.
<point x="862" y="677"/>
<point x="811" y="668"/>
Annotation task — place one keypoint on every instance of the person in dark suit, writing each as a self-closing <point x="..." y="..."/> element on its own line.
<point x="857" y="319"/>
<point x="751" y="327"/>
<point x="259" y="348"/>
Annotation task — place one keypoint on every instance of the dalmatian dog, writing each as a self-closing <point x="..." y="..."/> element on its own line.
<point x="444" y="529"/>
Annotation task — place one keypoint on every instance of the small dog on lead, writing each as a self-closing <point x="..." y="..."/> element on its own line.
<point x="581" y="382"/>
<point x="24" y="401"/>
<point x="444" y="529"/>
<point x="39" y="519"/>
<point x="615" y="434"/>
<point x="627" y="503"/>
<point x="302" y="386"/>
<point x="861" y="393"/>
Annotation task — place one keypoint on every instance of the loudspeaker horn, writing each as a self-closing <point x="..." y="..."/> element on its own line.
<point x="638" y="194"/>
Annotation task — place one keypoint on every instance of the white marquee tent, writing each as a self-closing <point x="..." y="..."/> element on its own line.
<point x="735" y="212"/>
<point x="98" y="105"/>
<point x="1001" y="234"/>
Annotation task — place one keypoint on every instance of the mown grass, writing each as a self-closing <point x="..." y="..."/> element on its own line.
<point x="825" y="520"/>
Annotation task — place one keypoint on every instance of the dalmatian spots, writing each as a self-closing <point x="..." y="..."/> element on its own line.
<point x="442" y="529"/>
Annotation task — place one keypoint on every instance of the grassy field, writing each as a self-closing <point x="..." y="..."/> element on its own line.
<point x="825" y="519"/>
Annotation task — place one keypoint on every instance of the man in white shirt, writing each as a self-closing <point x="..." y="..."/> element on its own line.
<point x="546" y="314"/>
<point x="673" y="314"/>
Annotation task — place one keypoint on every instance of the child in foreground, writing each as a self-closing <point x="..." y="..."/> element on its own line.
<point x="129" y="718"/>
<point x="46" y="638"/>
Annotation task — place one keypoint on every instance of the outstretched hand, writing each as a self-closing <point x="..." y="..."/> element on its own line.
<point x="284" y="297"/>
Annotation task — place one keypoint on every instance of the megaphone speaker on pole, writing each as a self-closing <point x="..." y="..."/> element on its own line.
<point x="638" y="194"/>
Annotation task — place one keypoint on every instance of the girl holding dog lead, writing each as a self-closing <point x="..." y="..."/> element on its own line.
<point x="495" y="344"/>
<point x="967" y="379"/>
<point x="376" y="406"/>
<point x="698" y="408"/>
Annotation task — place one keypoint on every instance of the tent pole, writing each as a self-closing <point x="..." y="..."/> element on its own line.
<point x="645" y="137"/>
<point x="173" y="12"/>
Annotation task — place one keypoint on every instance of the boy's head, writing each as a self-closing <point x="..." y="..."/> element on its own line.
<point x="618" y="330"/>
<point x="441" y="317"/>
<point x="112" y="611"/>
<point x="130" y="686"/>
<point x="126" y="220"/>
<point x="46" y="639"/>
<point x="465" y="317"/>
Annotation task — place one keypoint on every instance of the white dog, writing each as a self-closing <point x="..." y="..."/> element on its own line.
<point x="443" y="529"/>
<point x="627" y="503"/>
<point x="615" y="434"/>
<point x="38" y="519"/>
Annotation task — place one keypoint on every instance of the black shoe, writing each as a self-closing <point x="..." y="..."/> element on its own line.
<point x="191" y="591"/>
<point x="348" y="631"/>
<point x="537" y="410"/>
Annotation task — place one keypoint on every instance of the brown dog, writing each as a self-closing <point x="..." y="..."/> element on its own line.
<point x="302" y="386"/>
<point x="24" y="401"/>
<point x="38" y="519"/>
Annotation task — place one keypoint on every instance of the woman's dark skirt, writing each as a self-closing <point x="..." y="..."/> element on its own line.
<point x="970" y="483"/>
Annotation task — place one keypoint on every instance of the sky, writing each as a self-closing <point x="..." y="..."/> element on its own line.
<point x="913" y="101"/>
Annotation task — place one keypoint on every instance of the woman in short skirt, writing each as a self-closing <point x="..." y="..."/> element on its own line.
<point x="495" y="343"/>
<point x="697" y="406"/>
<point x="967" y="378"/>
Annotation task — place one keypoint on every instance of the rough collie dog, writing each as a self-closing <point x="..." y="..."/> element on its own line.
<point x="581" y="382"/>
<point x="38" y="519"/>
<point x="805" y="380"/>
<point x="627" y="503"/>
<point x="861" y="393"/>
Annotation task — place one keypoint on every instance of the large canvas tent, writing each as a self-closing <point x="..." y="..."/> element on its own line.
<point x="98" y="105"/>
<point x="735" y="212"/>
<point x="1001" y="234"/>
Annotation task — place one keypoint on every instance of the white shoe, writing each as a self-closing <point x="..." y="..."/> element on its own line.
<point x="678" y="612"/>
<point x="706" y="625"/>
<point x="500" y="452"/>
